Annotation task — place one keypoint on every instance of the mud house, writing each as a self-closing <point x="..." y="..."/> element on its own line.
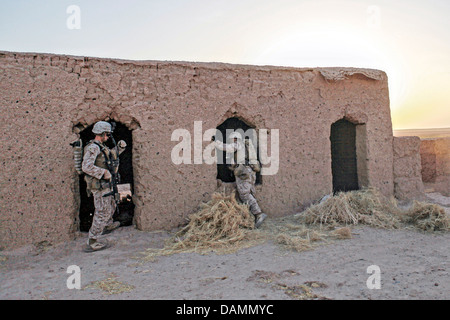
<point x="333" y="127"/>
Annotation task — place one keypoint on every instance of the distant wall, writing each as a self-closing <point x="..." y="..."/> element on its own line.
<point x="435" y="161"/>
<point x="46" y="100"/>
<point x="407" y="168"/>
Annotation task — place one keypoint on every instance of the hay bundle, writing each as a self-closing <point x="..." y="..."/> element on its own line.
<point x="370" y="207"/>
<point x="427" y="217"/>
<point x="366" y="206"/>
<point x="220" y="222"/>
<point x="222" y="225"/>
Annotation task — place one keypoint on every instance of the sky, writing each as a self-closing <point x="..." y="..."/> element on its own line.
<point x="409" y="40"/>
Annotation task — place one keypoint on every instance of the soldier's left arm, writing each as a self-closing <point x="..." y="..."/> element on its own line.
<point x="227" y="147"/>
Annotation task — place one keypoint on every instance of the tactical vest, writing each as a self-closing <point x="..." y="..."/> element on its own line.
<point x="94" y="184"/>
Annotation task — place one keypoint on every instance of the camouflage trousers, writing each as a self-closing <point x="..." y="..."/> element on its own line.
<point x="104" y="211"/>
<point x="245" y="185"/>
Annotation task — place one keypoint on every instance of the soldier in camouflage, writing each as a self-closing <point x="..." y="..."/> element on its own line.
<point x="98" y="179"/>
<point x="242" y="158"/>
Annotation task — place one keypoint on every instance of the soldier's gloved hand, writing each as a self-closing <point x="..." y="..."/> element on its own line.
<point x="107" y="175"/>
<point x="122" y="144"/>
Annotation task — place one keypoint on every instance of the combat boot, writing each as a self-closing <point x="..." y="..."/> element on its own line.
<point x="111" y="227"/>
<point x="95" y="245"/>
<point x="260" y="217"/>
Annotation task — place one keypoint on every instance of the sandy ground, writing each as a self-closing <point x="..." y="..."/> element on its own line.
<point x="413" y="265"/>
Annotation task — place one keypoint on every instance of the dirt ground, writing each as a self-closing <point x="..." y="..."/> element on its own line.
<point x="413" y="265"/>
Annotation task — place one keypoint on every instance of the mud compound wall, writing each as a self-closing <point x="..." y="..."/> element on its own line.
<point x="435" y="160"/>
<point x="46" y="100"/>
<point x="408" y="183"/>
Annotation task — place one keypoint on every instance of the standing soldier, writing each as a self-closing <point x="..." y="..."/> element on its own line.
<point x="98" y="160"/>
<point x="244" y="166"/>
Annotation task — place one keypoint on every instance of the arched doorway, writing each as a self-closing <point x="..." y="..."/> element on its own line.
<point x="228" y="126"/>
<point x="125" y="211"/>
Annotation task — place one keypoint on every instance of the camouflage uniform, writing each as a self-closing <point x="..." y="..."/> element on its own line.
<point x="95" y="167"/>
<point x="244" y="172"/>
<point x="245" y="185"/>
<point x="104" y="211"/>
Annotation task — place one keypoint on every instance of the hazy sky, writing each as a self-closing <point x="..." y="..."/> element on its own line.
<point x="409" y="40"/>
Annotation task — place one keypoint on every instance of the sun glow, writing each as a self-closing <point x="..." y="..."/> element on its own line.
<point x="408" y="39"/>
<point x="341" y="47"/>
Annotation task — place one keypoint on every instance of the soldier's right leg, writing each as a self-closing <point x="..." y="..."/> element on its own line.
<point x="111" y="224"/>
<point x="102" y="216"/>
<point x="246" y="195"/>
<point x="244" y="189"/>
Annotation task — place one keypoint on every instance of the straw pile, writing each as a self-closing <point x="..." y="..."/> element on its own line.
<point x="370" y="207"/>
<point x="222" y="225"/>
<point x="427" y="217"/>
<point x="351" y="208"/>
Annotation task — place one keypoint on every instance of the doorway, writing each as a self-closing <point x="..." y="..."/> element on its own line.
<point x="125" y="211"/>
<point x="230" y="125"/>
<point x="343" y="156"/>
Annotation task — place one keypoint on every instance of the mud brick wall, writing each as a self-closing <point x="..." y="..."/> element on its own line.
<point x="46" y="100"/>
<point x="435" y="159"/>
<point x="407" y="168"/>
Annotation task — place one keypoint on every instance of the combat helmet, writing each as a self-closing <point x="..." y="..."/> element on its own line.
<point x="102" y="126"/>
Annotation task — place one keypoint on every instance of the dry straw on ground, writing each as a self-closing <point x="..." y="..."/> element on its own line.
<point x="367" y="207"/>
<point x="224" y="225"/>
<point x="110" y="285"/>
<point x="427" y="217"/>
<point x="292" y="235"/>
<point x="370" y="207"/>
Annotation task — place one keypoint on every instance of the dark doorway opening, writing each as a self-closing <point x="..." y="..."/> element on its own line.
<point x="343" y="156"/>
<point x="125" y="211"/>
<point x="228" y="126"/>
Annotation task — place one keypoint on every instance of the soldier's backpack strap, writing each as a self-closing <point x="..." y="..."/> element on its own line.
<point x="103" y="150"/>
<point x="111" y="156"/>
